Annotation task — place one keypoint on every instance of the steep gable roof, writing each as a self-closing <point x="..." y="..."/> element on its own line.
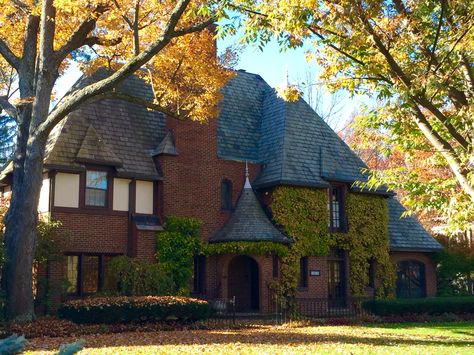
<point x="128" y="134"/>
<point x="293" y="144"/>
<point x="406" y="233"/>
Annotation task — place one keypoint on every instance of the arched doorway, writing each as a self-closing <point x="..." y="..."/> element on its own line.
<point x="243" y="283"/>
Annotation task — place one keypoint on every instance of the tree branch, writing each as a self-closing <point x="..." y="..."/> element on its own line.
<point x="9" y="56"/>
<point x="76" y="98"/>
<point x="194" y="28"/>
<point x="140" y="102"/>
<point x="79" y="36"/>
<point x="438" y="30"/>
<point x="455" y="44"/>
<point x="26" y="70"/>
<point x="8" y="107"/>
<point x="337" y="49"/>
<point x="398" y="72"/>
<point x="442" y="118"/>
<point x="20" y="5"/>
<point x="445" y="149"/>
<point x="91" y="41"/>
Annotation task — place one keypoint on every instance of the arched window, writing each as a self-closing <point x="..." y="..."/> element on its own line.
<point x="411" y="279"/>
<point x="226" y="195"/>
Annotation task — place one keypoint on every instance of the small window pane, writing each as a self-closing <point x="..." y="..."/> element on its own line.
<point x="72" y="272"/>
<point x="96" y="197"/>
<point x="97" y="179"/>
<point x="303" y="280"/>
<point x="96" y="188"/>
<point x="335" y="208"/>
<point x="275" y="266"/>
<point x="226" y="195"/>
<point x="198" y="274"/>
<point x="90" y="274"/>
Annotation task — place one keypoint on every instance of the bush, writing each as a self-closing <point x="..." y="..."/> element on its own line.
<point x="134" y="309"/>
<point x="176" y="248"/>
<point x="133" y="277"/>
<point x="432" y="306"/>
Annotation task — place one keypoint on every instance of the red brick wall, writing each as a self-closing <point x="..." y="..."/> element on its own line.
<point x="317" y="285"/>
<point x="146" y="245"/>
<point x="430" y="270"/>
<point x="94" y="233"/>
<point x="191" y="186"/>
<point x="192" y="180"/>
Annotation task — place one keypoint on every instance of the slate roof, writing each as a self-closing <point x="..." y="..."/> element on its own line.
<point x="292" y="142"/>
<point x="406" y="233"/>
<point x="109" y="132"/>
<point x="249" y="223"/>
<point x="296" y="147"/>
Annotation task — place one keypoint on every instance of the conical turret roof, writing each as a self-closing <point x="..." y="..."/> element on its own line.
<point x="249" y="222"/>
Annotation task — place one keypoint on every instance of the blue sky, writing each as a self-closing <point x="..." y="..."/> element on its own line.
<point x="272" y="64"/>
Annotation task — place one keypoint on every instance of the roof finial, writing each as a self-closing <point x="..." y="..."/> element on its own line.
<point x="247" y="181"/>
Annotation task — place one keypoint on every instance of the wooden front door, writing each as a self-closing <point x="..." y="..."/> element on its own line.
<point x="243" y="283"/>
<point x="336" y="286"/>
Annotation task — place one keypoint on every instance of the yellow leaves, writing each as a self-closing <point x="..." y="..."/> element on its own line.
<point x="186" y="77"/>
<point x="289" y="93"/>
<point x="429" y="338"/>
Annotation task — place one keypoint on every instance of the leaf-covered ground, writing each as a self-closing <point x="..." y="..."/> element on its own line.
<point x="438" y="338"/>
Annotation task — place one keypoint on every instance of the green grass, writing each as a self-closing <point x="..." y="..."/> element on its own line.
<point x="401" y="338"/>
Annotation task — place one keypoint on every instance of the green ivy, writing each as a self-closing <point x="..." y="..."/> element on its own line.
<point x="367" y="238"/>
<point x="302" y="212"/>
<point x="175" y="250"/>
<point x="255" y="248"/>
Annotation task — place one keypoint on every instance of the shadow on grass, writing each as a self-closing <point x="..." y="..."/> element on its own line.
<point x="268" y="336"/>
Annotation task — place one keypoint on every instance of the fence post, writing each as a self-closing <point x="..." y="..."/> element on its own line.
<point x="233" y="310"/>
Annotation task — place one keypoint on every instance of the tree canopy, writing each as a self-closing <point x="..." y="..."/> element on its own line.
<point x="415" y="57"/>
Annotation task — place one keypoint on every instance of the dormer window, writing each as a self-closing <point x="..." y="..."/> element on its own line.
<point x="96" y="188"/>
<point x="336" y="208"/>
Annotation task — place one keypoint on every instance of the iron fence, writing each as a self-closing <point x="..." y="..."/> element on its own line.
<point x="280" y="311"/>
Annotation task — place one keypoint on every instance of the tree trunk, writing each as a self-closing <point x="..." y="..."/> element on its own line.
<point x="20" y="232"/>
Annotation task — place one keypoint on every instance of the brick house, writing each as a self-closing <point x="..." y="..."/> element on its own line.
<point x="114" y="171"/>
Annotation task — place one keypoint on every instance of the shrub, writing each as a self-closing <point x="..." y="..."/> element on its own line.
<point x="133" y="277"/>
<point x="134" y="309"/>
<point x="176" y="248"/>
<point x="432" y="306"/>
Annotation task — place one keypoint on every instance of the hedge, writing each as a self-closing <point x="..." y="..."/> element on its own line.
<point x="437" y="305"/>
<point x="134" y="309"/>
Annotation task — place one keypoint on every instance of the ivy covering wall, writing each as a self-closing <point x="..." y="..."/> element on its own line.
<point x="303" y="214"/>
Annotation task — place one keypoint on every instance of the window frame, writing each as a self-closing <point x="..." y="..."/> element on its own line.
<point x="303" y="273"/>
<point x="408" y="265"/>
<point x="199" y="275"/>
<point x="226" y="198"/>
<point x="108" y="203"/>
<point x="80" y="277"/>
<point x="275" y="266"/>
<point x="341" y="190"/>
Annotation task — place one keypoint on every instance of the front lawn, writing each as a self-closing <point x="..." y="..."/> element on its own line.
<point x="400" y="338"/>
